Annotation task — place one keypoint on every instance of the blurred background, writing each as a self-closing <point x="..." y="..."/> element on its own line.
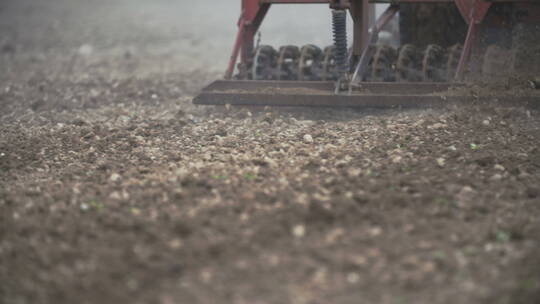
<point x="152" y="36"/>
<point x="157" y="35"/>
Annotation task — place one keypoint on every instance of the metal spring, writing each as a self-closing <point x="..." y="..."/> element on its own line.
<point x="339" y="26"/>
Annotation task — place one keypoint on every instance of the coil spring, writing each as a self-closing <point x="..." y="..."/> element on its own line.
<point x="339" y="26"/>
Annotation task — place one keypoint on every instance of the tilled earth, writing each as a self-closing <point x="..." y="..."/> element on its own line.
<point x="118" y="190"/>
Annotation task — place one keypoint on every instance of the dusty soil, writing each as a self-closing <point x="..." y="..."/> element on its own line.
<point x="115" y="189"/>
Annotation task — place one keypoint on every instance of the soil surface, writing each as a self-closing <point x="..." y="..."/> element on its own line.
<point x="114" y="188"/>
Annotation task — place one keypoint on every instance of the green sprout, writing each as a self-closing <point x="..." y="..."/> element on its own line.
<point x="442" y="201"/>
<point x="249" y="176"/>
<point x="502" y="236"/>
<point x="440" y="255"/>
<point x="94" y="205"/>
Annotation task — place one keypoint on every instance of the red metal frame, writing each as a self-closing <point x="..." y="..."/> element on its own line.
<point x="373" y="37"/>
<point x="251" y="17"/>
<point x="474" y="12"/>
<point x="254" y="12"/>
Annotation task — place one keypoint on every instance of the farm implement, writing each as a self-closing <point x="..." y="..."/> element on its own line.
<point x="439" y="44"/>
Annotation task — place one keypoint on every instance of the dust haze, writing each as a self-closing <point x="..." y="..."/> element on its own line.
<point x="165" y="35"/>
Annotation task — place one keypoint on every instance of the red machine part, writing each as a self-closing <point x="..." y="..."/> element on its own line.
<point x="254" y="12"/>
<point x="473" y="12"/>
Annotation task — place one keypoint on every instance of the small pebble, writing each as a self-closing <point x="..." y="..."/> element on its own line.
<point x="308" y="138"/>
<point x="396" y="159"/>
<point x="299" y="231"/>
<point x="86" y="50"/>
<point x="437" y="126"/>
<point x="114" y="177"/>
<point x="499" y="167"/>
<point x="441" y="162"/>
<point x="175" y="244"/>
<point x="496" y="177"/>
<point x="353" y="278"/>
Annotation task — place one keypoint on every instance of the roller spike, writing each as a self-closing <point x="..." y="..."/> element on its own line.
<point x="287" y="63"/>
<point x="408" y="64"/>
<point x="383" y="64"/>
<point x="309" y="65"/>
<point x="263" y="63"/>
<point x="434" y="67"/>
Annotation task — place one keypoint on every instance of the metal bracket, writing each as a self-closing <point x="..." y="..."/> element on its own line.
<point x="340" y="4"/>
<point x="373" y="38"/>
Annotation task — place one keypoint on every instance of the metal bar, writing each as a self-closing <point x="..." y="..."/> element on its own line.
<point x="254" y="15"/>
<point x="244" y="86"/>
<point x="373" y="38"/>
<point x="443" y="1"/>
<point x="473" y="12"/>
<point x="471" y="33"/>
<point x="355" y="101"/>
<point x="506" y="1"/>
<point x="320" y="94"/>
<point x="295" y="1"/>
<point x="370" y="1"/>
<point x="409" y="1"/>
<point x="261" y="14"/>
<point x="236" y="48"/>
<point x="318" y="100"/>
<point x="382" y="1"/>
<point x="361" y="16"/>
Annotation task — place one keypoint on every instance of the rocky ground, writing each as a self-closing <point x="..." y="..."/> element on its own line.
<point x="115" y="189"/>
